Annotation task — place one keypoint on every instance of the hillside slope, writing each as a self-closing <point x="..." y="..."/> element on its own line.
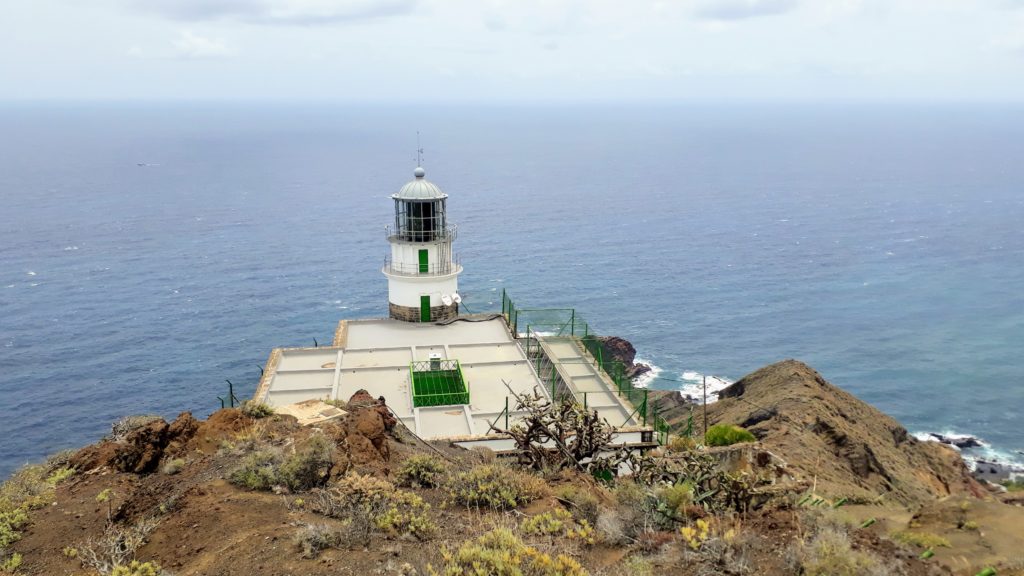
<point x="845" y="446"/>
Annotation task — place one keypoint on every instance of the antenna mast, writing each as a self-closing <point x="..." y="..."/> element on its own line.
<point x="419" y="150"/>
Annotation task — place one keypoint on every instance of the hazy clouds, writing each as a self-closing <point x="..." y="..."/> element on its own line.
<point x="513" y="50"/>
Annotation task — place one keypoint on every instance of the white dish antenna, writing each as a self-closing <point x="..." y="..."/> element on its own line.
<point x="457" y="298"/>
<point x="446" y="299"/>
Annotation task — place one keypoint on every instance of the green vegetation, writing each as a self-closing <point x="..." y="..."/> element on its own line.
<point x="920" y="539"/>
<point x="369" y="504"/>
<point x="831" y="554"/>
<point x="11" y="564"/>
<point x="421" y="471"/>
<point x="256" y="410"/>
<point x="495" y="486"/>
<point x="584" y="504"/>
<point x="174" y="466"/>
<point x="727" y="435"/>
<point x="306" y="468"/>
<point x="680" y="444"/>
<point x="258" y="471"/>
<point x="313" y="539"/>
<point x="1015" y="485"/>
<point x="501" y="553"/>
<point x="137" y="568"/>
<point x="29" y="488"/>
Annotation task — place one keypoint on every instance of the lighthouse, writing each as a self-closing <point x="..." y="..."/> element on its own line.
<point x="421" y="270"/>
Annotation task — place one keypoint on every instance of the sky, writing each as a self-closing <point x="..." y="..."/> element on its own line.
<point x="512" y="50"/>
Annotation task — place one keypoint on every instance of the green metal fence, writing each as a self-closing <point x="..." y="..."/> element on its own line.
<point x="438" y="382"/>
<point x="530" y="324"/>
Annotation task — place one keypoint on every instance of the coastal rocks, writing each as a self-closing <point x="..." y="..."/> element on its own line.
<point x="958" y="441"/>
<point x="620" y="349"/>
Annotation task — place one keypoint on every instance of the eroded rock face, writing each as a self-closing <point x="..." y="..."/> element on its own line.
<point x="850" y="448"/>
<point x="141" y="448"/>
<point x="364" y="432"/>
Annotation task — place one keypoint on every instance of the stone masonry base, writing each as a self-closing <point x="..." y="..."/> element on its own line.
<point x="412" y="314"/>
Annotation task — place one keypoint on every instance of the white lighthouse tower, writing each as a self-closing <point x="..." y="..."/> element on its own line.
<point x="422" y="272"/>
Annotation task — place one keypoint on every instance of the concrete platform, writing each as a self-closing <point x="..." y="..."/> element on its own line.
<point x="374" y="355"/>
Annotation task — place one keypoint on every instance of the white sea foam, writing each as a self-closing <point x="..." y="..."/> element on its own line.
<point x="69" y="248"/>
<point x="645" y="379"/>
<point x="984" y="453"/>
<point x="31" y="273"/>
<point x="693" y="385"/>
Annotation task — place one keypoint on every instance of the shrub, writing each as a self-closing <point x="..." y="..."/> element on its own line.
<point x="256" y="410"/>
<point x="115" y="550"/>
<point x="558" y="523"/>
<point x="10" y="522"/>
<point x="501" y="553"/>
<point x="59" y="475"/>
<point x="547" y="524"/>
<point x="174" y="466"/>
<point x="421" y="471"/>
<point x="585" y="505"/>
<point x="637" y="566"/>
<point x="137" y="568"/>
<point x="122" y="428"/>
<point x="495" y="486"/>
<point x="258" y="471"/>
<point x="369" y="504"/>
<point x="681" y="444"/>
<point x="920" y="539"/>
<point x="676" y="498"/>
<point x="727" y="435"/>
<point x="312" y="539"/>
<point x="1014" y="485"/>
<point x="308" y="467"/>
<point x="11" y="564"/>
<point x="27" y="488"/>
<point x="830" y="554"/>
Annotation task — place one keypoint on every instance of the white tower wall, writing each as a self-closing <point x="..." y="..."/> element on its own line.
<point x="421" y="270"/>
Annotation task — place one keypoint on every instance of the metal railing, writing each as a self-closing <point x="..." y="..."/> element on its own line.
<point x="415" y="269"/>
<point x="562" y="322"/>
<point x="438" y="382"/>
<point x="405" y="234"/>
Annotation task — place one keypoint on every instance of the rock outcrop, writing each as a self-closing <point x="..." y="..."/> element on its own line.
<point x="842" y="444"/>
<point x="620" y="349"/>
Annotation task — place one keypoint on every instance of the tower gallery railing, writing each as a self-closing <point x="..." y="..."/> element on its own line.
<point x="420" y="233"/>
<point x="413" y="269"/>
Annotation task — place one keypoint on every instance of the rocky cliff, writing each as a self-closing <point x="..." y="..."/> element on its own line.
<point x="844" y="446"/>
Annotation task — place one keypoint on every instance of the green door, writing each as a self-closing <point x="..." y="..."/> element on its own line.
<point x="424" y="308"/>
<point x="424" y="264"/>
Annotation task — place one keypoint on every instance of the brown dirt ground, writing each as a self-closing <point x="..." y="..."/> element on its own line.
<point x="210" y="527"/>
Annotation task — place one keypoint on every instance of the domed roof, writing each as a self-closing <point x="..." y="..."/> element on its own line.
<point x="419" y="189"/>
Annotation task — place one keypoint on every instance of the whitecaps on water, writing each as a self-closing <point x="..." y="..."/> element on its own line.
<point x="693" y="385"/>
<point x="644" y="380"/>
<point x="972" y="456"/>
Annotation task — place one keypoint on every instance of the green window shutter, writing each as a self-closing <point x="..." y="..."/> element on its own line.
<point x="424" y="262"/>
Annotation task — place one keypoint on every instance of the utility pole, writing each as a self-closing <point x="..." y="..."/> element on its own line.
<point x="705" y="407"/>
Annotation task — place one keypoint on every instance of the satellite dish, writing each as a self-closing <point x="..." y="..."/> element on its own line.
<point x="446" y="299"/>
<point x="457" y="298"/>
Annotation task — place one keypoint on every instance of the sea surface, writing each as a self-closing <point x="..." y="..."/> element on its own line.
<point x="149" y="253"/>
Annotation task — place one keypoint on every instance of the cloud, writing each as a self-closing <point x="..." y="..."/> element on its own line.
<point x="281" y="12"/>
<point x="193" y="46"/>
<point x="742" y="9"/>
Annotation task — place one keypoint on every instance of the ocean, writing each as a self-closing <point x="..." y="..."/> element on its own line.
<point x="150" y="252"/>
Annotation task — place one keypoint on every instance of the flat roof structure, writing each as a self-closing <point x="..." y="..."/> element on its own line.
<point x="378" y="356"/>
